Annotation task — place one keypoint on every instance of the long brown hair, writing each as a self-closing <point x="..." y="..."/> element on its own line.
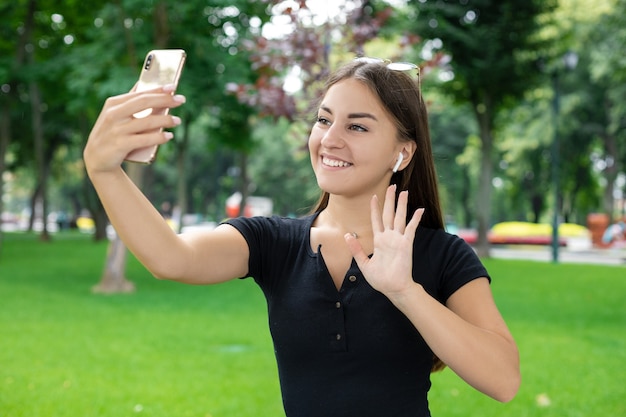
<point x="401" y="97"/>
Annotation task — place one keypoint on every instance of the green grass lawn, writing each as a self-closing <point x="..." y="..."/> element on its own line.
<point x="176" y="350"/>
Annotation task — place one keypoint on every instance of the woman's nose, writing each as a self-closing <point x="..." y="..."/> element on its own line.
<point x="333" y="137"/>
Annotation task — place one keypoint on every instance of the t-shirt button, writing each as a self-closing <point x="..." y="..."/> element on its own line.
<point x="338" y="336"/>
<point x="338" y="304"/>
<point x="352" y="278"/>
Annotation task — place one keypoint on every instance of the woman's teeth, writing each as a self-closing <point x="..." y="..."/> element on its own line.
<point x="335" y="163"/>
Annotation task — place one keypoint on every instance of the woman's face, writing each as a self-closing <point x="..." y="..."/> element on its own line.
<point x="353" y="144"/>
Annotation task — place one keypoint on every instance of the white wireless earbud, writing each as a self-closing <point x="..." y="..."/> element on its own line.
<point x="397" y="165"/>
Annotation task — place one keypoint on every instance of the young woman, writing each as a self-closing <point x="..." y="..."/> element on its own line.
<point x="365" y="295"/>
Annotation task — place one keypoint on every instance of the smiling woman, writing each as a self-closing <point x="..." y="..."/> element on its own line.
<point x="354" y="136"/>
<point x="367" y="294"/>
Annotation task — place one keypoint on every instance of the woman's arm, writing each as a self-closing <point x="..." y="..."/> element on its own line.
<point x="468" y="334"/>
<point x="202" y="258"/>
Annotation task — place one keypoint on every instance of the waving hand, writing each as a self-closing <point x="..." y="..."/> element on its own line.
<point x="389" y="270"/>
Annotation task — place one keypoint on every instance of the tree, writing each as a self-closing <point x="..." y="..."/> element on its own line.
<point x="452" y="128"/>
<point x="608" y="72"/>
<point x="283" y="163"/>
<point x="493" y="47"/>
<point x="33" y="83"/>
<point x="13" y="58"/>
<point x="306" y="50"/>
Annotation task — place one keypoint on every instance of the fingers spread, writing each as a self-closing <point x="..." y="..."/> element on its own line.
<point x="400" y="219"/>
<point x="377" y="225"/>
<point x="389" y="207"/>
<point x="411" y="228"/>
<point x="394" y="217"/>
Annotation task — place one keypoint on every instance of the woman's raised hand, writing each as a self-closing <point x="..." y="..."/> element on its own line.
<point x="117" y="132"/>
<point x="389" y="270"/>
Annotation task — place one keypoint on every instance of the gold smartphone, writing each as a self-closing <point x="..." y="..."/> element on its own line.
<point x="160" y="67"/>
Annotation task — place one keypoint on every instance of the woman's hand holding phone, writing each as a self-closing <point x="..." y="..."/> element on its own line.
<point x="117" y="132"/>
<point x="131" y="125"/>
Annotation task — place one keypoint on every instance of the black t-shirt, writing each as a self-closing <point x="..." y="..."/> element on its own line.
<point x="347" y="353"/>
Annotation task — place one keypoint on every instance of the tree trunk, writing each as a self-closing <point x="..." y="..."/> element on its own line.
<point x="5" y="135"/>
<point x="36" y="104"/>
<point x="610" y="173"/>
<point x="181" y="185"/>
<point x="244" y="183"/>
<point x="101" y="222"/>
<point x="113" y="279"/>
<point x="34" y="207"/>
<point x="5" y="129"/>
<point x="483" y="206"/>
<point x="40" y="156"/>
<point x="466" y="199"/>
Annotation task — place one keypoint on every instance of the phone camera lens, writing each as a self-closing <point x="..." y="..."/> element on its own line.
<point x="148" y="62"/>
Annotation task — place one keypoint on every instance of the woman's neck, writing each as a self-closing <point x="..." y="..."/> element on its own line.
<point x="347" y="216"/>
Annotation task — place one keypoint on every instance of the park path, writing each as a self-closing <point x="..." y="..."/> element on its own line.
<point x="544" y="253"/>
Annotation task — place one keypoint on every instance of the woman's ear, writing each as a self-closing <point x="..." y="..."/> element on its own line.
<point x="398" y="162"/>
<point x="404" y="156"/>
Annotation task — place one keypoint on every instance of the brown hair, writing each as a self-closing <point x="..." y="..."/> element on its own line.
<point x="400" y="95"/>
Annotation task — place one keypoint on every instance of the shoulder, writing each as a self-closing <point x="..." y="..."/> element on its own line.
<point x="270" y="229"/>
<point x="446" y="249"/>
<point x="274" y="243"/>
<point x="437" y="239"/>
<point x="447" y="260"/>
<point x="273" y="223"/>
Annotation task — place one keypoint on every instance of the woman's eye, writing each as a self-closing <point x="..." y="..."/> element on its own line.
<point x="323" y="121"/>
<point x="358" y="128"/>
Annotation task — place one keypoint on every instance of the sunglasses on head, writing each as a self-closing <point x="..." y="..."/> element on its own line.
<point x="395" y="66"/>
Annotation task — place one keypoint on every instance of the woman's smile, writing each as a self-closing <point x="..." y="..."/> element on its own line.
<point x="333" y="162"/>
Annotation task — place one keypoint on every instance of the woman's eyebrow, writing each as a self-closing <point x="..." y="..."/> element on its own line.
<point x="362" y="116"/>
<point x="352" y="115"/>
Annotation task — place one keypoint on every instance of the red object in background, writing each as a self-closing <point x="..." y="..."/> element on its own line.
<point x="232" y="211"/>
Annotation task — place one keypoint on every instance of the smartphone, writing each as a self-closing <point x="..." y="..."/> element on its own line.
<point x="160" y="67"/>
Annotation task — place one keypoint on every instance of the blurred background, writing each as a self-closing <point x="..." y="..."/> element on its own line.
<point x="526" y="98"/>
<point x="527" y="104"/>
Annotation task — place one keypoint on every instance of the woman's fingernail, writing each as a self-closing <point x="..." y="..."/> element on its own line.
<point x="168" y="135"/>
<point x="180" y="98"/>
<point x="176" y="120"/>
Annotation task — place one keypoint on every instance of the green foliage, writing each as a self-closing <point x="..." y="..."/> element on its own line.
<point x="85" y="51"/>
<point x="452" y="126"/>
<point x="172" y="349"/>
<point x="490" y="44"/>
<point x="488" y="50"/>
<point x="281" y="167"/>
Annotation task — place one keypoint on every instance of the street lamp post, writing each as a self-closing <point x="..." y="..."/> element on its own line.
<point x="555" y="166"/>
<point x="570" y="60"/>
